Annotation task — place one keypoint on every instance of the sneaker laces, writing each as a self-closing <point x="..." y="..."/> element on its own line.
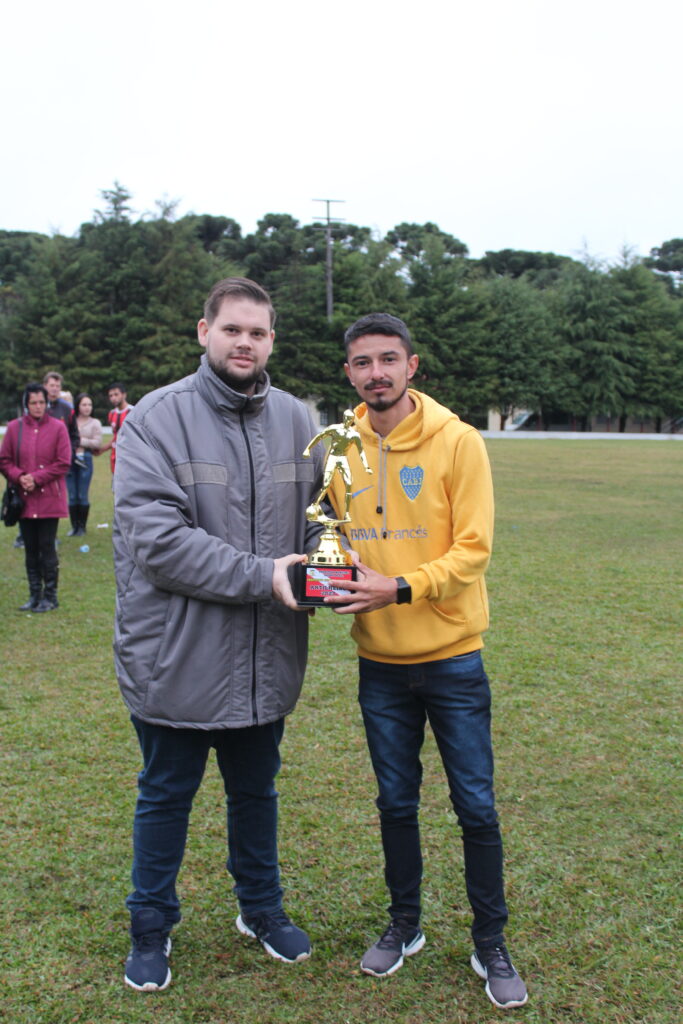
<point x="265" y="922"/>
<point x="398" y="931"/>
<point x="149" y="941"/>
<point x="497" y="961"/>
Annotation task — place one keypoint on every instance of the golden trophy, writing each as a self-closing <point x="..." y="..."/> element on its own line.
<point x="330" y="565"/>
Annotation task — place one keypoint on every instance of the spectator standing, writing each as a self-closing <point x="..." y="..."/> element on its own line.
<point x="36" y="456"/>
<point x="80" y="474"/>
<point x="59" y="408"/>
<point x="118" y="398"/>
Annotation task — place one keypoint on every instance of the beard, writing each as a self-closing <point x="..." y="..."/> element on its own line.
<point x="380" y="403"/>
<point x="241" y="384"/>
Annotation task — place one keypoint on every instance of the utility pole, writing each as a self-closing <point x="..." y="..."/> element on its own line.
<point x="329" y="221"/>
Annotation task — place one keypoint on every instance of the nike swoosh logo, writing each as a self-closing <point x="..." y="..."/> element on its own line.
<point x="356" y="493"/>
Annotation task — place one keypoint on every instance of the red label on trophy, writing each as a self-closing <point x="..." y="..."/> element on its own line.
<point x="326" y="582"/>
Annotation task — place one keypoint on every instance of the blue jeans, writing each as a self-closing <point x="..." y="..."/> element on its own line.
<point x="174" y="764"/>
<point x="78" y="480"/>
<point x="453" y="694"/>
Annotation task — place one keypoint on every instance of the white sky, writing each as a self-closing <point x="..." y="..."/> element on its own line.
<point x="510" y="123"/>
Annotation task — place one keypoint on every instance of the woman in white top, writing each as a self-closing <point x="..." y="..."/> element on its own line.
<point x="80" y="474"/>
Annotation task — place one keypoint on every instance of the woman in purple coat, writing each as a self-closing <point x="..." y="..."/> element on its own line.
<point x="36" y="456"/>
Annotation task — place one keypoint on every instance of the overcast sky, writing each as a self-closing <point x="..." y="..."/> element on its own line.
<point x="531" y="124"/>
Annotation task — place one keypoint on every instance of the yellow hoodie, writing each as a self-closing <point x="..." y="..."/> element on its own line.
<point x="425" y="513"/>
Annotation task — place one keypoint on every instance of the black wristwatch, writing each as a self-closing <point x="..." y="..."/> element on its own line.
<point x="404" y="592"/>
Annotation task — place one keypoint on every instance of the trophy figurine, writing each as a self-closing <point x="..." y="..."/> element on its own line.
<point x="326" y="568"/>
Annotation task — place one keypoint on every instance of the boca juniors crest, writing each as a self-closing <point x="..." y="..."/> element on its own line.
<point x="411" y="478"/>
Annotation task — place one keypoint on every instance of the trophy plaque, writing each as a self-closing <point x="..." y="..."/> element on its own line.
<point x="327" y="568"/>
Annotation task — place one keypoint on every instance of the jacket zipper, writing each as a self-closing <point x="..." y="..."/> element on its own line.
<point x="254" y="607"/>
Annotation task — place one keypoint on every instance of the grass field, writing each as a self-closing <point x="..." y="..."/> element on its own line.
<point x="585" y="656"/>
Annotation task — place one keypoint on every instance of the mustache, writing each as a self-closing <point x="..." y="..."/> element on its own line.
<point x="378" y="384"/>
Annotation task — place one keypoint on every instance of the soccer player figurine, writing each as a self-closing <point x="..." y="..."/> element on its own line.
<point x="339" y="438"/>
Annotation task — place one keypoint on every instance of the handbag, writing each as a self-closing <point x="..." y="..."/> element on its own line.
<point x="12" y="506"/>
<point x="12" y="501"/>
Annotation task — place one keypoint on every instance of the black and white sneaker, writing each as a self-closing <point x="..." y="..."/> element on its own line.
<point x="402" y="938"/>
<point x="147" y="967"/>
<point x="504" y="987"/>
<point x="278" y="936"/>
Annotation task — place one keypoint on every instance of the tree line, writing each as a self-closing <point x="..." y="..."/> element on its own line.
<point x="514" y="329"/>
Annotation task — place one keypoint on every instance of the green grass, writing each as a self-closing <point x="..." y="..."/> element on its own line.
<point x="585" y="659"/>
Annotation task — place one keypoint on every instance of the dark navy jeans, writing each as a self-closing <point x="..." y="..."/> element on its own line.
<point x="454" y="696"/>
<point x="174" y="763"/>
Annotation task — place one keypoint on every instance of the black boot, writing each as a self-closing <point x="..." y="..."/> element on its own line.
<point x="49" y="602"/>
<point x="35" y="589"/>
<point x="82" y="519"/>
<point x="73" y="514"/>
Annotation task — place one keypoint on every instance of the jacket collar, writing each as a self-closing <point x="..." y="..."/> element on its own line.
<point x="225" y="399"/>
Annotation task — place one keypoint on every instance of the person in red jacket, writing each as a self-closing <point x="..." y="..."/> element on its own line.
<point x="36" y="456"/>
<point x="118" y="397"/>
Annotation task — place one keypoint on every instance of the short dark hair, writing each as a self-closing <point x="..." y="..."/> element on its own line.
<point x="34" y="388"/>
<point x="117" y="385"/>
<point x="79" y="398"/>
<point x="52" y="375"/>
<point x="242" y="287"/>
<point x="379" y="323"/>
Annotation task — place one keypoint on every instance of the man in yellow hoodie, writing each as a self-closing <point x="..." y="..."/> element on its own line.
<point x="422" y="529"/>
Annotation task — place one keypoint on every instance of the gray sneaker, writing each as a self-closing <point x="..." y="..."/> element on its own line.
<point x="504" y="987"/>
<point x="402" y="938"/>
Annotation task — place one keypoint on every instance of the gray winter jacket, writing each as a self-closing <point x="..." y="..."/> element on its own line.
<point x="210" y="487"/>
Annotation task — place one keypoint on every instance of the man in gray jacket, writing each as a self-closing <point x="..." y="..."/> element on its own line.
<point x="211" y="489"/>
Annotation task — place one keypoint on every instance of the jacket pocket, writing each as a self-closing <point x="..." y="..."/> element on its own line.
<point x="141" y="613"/>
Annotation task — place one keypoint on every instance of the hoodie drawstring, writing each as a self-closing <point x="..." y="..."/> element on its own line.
<point x="382" y="484"/>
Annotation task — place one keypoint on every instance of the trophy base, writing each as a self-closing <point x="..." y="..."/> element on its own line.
<point x="311" y="584"/>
